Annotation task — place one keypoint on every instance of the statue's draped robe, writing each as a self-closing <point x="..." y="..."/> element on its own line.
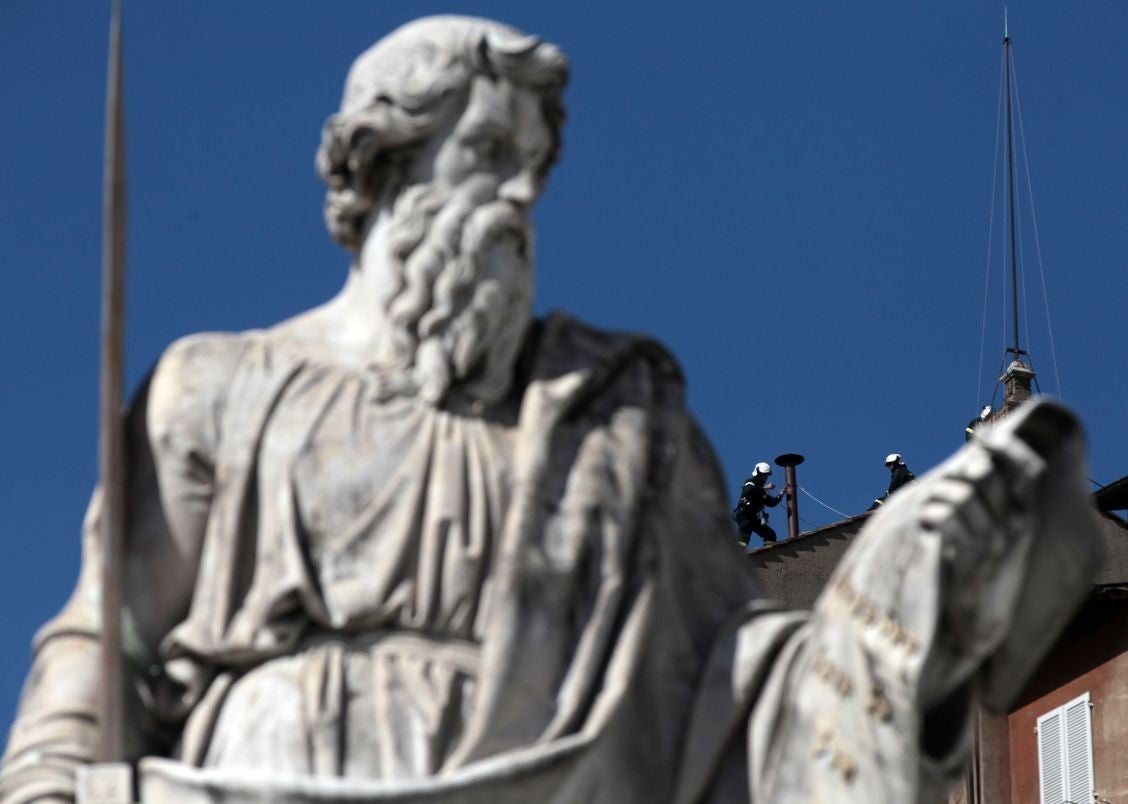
<point x="543" y="604"/>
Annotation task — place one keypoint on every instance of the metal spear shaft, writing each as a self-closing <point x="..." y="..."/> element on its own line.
<point x="111" y="430"/>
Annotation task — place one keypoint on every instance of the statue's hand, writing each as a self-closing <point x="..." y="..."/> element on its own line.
<point x="950" y="596"/>
<point x="1065" y="551"/>
<point x="1006" y="534"/>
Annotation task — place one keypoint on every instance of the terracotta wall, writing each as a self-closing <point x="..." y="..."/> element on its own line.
<point x="1093" y="658"/>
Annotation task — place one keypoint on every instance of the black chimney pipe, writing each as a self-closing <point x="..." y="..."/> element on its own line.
<point x="789" y="461"/>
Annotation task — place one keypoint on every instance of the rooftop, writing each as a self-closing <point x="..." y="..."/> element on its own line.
<point x="794" y="571"/>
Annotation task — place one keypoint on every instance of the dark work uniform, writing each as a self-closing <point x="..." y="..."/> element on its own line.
<point x="975" y="424"/>
<point x="901" y="476"/>
<point x="749" y="513"/>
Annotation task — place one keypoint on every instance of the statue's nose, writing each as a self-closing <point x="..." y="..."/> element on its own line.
<point x="521" y="189"/>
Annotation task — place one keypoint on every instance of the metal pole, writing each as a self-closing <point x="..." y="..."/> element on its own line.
<point x="111" y="447"/>
<point x="789" y="461"/>
<point x="1010" y="192"/>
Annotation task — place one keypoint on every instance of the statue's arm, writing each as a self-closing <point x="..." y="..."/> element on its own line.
<point x="948" y="599"/>
<point x="171" y="433"/>
<point x="174" y="438"/>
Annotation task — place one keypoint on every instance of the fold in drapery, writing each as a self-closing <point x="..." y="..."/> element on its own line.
<point x="377" y="706"/>
<point x="333" y="512"/>
<point x="337" y="515"/>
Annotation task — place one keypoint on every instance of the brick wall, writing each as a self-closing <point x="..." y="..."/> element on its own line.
<point x="1093" y="658"/>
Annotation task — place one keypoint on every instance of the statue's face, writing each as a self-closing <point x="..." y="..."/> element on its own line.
<point x="495" y="147"/>
<point x="461" y="297"/>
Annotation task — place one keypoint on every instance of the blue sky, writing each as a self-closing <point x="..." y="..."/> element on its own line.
<point x="793" y="196"/>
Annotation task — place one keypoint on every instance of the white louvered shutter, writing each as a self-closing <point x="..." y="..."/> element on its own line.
<point x="1065" y="753"/>
<point x="1078" y="750"/>
<point x="1051" y="762"/>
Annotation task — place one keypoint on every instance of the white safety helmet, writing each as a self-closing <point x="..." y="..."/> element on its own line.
<point x="987" y="411"/>
<point x="761" y="469"/>
<point x="892" y="458"/>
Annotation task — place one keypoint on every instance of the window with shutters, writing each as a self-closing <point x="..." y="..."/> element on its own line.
<point x="1065" y="753"/>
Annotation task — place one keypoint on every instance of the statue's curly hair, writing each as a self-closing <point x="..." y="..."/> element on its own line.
<point x="393" y="102"/>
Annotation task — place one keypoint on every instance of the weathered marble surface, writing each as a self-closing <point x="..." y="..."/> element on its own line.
<point x="413" y="545"/>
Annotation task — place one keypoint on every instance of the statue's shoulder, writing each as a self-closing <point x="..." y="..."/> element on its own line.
<point x="566" y="344"/>
<point x="192" y="377"/>
<point x="203" y="358"/>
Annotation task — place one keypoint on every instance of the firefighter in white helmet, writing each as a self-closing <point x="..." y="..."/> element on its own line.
<point x="749" y="514"/>
<point x="899" y="476"/>
<point x="983" y="418"/>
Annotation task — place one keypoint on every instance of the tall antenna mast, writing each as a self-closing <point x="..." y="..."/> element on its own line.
<point x="1019" y="375"/>
<point x="1010" y="188"/>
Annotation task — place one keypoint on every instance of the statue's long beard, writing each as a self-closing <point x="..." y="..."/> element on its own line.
<point x="462" y="303"/>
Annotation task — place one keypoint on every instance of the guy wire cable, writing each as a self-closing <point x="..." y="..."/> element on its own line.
<point x="824" y="505"/>
<point x="1037" y="239"/>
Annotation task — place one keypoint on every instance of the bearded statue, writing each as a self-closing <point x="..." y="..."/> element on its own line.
<point x="415" y="545"/>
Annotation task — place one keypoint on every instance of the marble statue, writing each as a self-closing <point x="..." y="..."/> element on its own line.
<point x="415" y="545"/>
